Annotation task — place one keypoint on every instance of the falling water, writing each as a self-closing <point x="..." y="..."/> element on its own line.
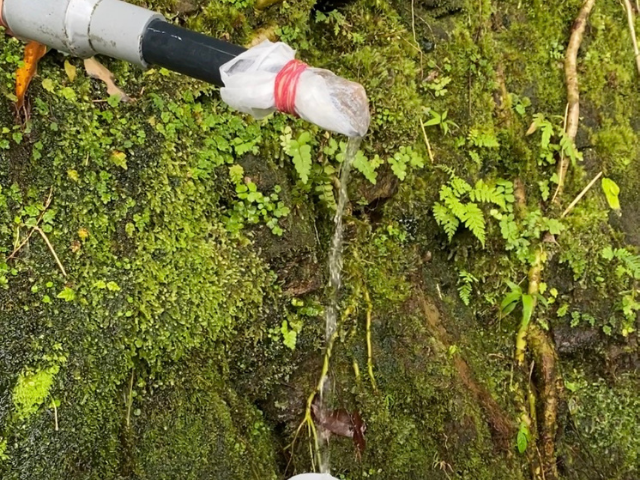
<point x="335" y="274"/>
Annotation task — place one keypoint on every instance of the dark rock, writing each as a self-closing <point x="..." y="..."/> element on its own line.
<point x="294" y="255"/>
<point x="427" y="46"/>
<point x="570" y="340"/>
<point x="186" y="7"/>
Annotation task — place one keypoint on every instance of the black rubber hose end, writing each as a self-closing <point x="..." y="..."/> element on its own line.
<point x="187" y="52"/>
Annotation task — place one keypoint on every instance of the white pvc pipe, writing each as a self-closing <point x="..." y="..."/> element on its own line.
<point x="81" y="27"/>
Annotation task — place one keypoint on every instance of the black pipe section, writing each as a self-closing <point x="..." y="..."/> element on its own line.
<point x="187" y="52"/>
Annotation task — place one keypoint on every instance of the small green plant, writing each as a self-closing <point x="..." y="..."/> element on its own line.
<point x="253" y="206"/>
<point x="436" y="81"/>
<point x="290" y="331"/>
<point x="31" y="390"/>
<point x="299" y="150"/>
<point x="520" y="104"/>
<point x="628" y="268"/>
<point x="611" y="191"/>
<point x="523" y="437"/>
<point x="479" y="139"/>
<point x="367" y="167"/>
<point x="553" y="141"/>
<point x="460" y="203"/>
<point x="340" y="26"/>
<point x="465" y="286"/>
<point x="404" y="158"/>
<point x="528" y="301"/>
<point x="440" y="119"/>
<point x="67" y="294"/>
<point x="520" y="234"/>
<point x="3" y="449"/>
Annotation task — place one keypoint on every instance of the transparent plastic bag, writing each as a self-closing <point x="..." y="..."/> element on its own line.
<point x="323" y="98"/>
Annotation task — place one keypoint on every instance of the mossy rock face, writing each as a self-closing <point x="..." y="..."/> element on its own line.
<point x="199" y="428"/>
<point x="184" y="350"/>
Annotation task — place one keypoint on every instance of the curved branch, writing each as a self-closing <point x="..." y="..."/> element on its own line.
<point x="573" y="90"/>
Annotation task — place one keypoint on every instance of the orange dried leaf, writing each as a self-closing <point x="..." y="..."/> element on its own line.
<point x="33" y="52"/>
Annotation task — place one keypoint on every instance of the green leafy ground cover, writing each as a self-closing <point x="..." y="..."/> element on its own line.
<point x="188" y="331"/>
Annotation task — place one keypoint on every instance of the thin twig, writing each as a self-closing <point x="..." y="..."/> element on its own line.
<point x="24" y="242"/>
<point x="367" y="299"/>
<point x="413" y="21"/>
<point x="426" y="141"/>
<point x="632" y="29"/>
<point x="413" y="29"/>
<point x="130" y="399"/>
<point x="55" y="415"/>
<point x="573" y="90"/>
<point x="580" y="195"/>
<point x="53" y="252"/>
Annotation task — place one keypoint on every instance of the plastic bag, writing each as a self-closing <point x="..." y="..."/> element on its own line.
<point x="323" y="98"/>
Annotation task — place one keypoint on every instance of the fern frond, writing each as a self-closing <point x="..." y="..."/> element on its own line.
<point x="464" y="291"/>
<point x="473" y="219"/>
<point x="487" y="194"/>
<point x="456" y="207"/>
<point x="445" y="219"/>
<point x="465" y="287"/>
<point x="459" y="186"/>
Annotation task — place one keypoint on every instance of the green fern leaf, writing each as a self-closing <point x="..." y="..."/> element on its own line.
<point x="302" y="162"/>
<point x="457" y="208"/>
<point x="464" y="291"/>
<point x="445" y="219"/>
<point x="366" y="167"/>
<point x="459" y="186"/>
<point x="473" y="219"/>
<point x="300" y="152"/>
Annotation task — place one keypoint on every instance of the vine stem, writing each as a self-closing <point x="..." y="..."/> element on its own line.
<point x="632" y="30"/>
<point x="535" y="273"/>
<point x="573" y="90"/>
<point x="308" y="419"/>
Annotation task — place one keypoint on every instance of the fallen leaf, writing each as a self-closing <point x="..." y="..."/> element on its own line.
<point x="120" y="159"/>
<point x="33" y="52"/>
<point x="532" y="129"/>
<point x="47" y="84"/>
<point x="337" y="422"/>
<point x="359" y="428"/>
<point x="98" y="71"/>
<point x="341" y="422"/>
<point x="70" y="70"/>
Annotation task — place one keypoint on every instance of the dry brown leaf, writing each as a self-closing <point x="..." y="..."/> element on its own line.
<point x="342" y="423"/>
<point x="532" y="129"/>
<point x="98" y="71"/>
<point x="33" y="52"/>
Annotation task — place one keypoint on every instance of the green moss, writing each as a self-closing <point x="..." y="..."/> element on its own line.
<point x="31" y="390"/>
<point x="161" y="290"/>
<point x="215" y="434"/>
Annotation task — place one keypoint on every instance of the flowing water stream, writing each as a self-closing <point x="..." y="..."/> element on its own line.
<point x="335" y="275"/>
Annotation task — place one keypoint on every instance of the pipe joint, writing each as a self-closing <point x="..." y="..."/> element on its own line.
<point x="81" y="27"/>
<point x="76" y="27"/>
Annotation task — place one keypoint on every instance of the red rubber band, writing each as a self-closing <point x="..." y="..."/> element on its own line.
<point x="286" y="86"/>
